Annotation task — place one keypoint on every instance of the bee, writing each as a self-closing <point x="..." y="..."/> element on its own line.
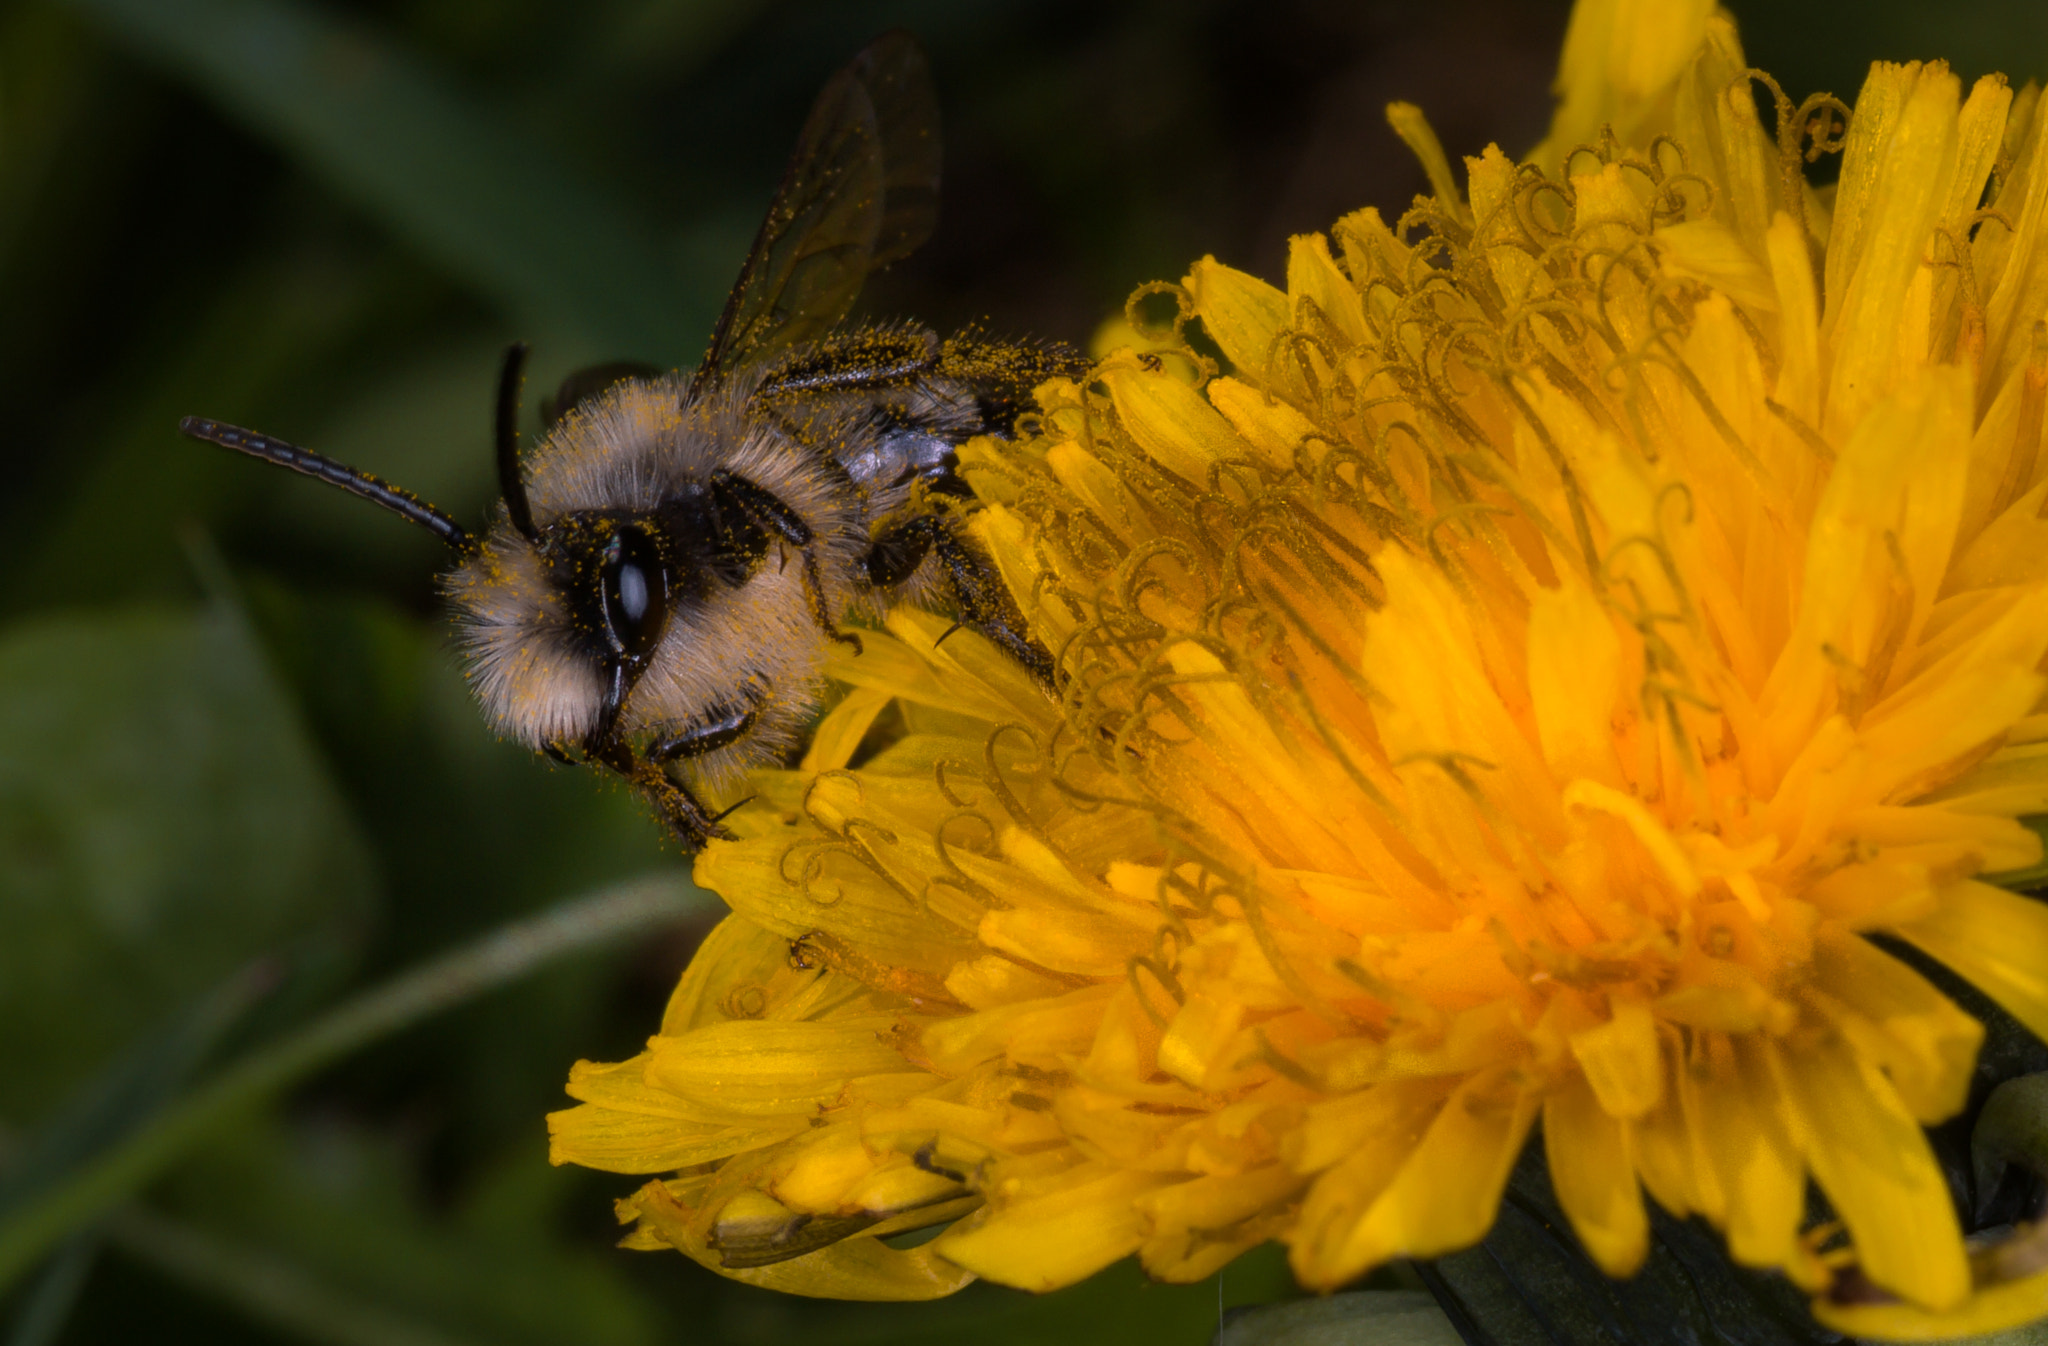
<point x="668" y="569"/>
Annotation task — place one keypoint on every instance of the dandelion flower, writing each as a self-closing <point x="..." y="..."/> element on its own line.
<point x="1585" y="614"/>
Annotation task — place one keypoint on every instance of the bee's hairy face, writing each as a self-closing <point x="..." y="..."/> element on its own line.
<point x="530" y="653"/>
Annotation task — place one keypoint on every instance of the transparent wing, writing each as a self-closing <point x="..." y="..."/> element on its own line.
<point x="861" y="191"/>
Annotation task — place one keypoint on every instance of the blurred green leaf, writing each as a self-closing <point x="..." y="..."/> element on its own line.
<point x="44" y="1310"/>
<point x="162" y="822"/>
<point x="477" y="828"/>
<point x="267" y="1288"/>
<point x="505" y="955"/>
<point x="107" y="530"/>
<point x="2011" y="1128"/>
<point x="471" y="830"/>
<point x="123" y="1096"/>
<point x="344" y="1205"/>
<point x="1380" y="1317"/>
<point x="427" y="424"/>
<point x="439" y="168"/>
<point x="148" y="1074"/>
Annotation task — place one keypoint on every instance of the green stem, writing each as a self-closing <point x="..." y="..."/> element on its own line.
<point x="500" y="957"/>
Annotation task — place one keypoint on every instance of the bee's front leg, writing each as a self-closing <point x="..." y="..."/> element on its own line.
<point x="691" y="823"/>
<point x="721" y="728"/>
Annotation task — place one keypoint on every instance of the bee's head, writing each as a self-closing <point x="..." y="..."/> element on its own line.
<point x="558" y="621"/>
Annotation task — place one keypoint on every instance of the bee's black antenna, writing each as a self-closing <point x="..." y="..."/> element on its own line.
<point x="403" y="503"/>
<point x="509" y="481"/>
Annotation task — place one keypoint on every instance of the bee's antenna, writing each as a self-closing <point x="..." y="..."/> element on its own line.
<point x="373" y="489"/>
<point x="509" y="481"/>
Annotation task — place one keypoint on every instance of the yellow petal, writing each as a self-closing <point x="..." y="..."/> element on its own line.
<point x="1993" y="1309"/>
<point x="1715" y="116"/>
<point x="796" y="893"/>
<point x="1193" y="1223"/>
<point x="729" y="977"/>
<point x="618" y="1141"/>
<point x="1745" y="1131"/>
<point x="1055" y="1238"/>
<point x="1004" y="536"/>
<point x="1172" y="422"/>
<point x="1039" y="1031"/>
<point x="1064" y="941"/>
<point x="1386" y="1117"/>
<point x="984" y="983"/>
<point x="1268" y="425"/>
<point x="1873" y="1163"/>
<point x="1924" y="1043"/>
<point x="1891" y="195"/>
<point x="1381" y="1130"/>
<point x="1708" y="251"/>
<point x="1444" y="1196"/>
<point x="1574" y="681"/>
<point x="1316" y="286"/>
<point x="2016" y="263"/>
<point x="1623" y="1062"/>
<point x="840" y="732"/>
<point x="1879" y="542"/>
<point x="1799" y="320"/>
<point x="1594" y="1178"/>
<point x="1879" y="105"/>
<point x="769" y="1067"/>
<point x="1243" y="314"/>
<point x="1198" y="1038"/>
<point x="1993" y="939"/>
<point x="1621" y="59"/>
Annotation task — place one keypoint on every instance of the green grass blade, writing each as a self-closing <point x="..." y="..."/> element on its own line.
<point x="503" y="956"/>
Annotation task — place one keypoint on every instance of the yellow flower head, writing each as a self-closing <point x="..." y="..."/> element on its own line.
<point x="1586" y="612"/>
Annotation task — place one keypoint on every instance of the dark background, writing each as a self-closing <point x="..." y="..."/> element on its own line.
<point x="229" y="725"/>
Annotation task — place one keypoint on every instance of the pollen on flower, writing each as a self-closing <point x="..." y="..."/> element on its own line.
<point x="1584" y="613"/>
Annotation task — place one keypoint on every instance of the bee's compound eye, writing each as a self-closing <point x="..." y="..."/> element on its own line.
<point x="635" y="592"/>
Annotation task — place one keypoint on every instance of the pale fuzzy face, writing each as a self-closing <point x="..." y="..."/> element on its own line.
<point x="539" y="684"/>
<point x="534" y="677"/>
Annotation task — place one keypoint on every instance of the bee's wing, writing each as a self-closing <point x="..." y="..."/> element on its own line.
<point x="861" y="191"/>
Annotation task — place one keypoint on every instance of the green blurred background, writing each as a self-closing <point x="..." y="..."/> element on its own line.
<point x="239" y="776"/>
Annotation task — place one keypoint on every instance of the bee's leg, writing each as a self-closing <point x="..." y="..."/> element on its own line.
<point x="721" y="729"/>
<point x="868" y="358"/>
<point x="687" y="818"/>
<point x="701" y="739"/>
<point x="768" y="509"/>
<point x="985" y="604"/>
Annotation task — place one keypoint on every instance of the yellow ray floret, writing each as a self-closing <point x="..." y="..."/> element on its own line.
<point x="1584" y="615"/>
